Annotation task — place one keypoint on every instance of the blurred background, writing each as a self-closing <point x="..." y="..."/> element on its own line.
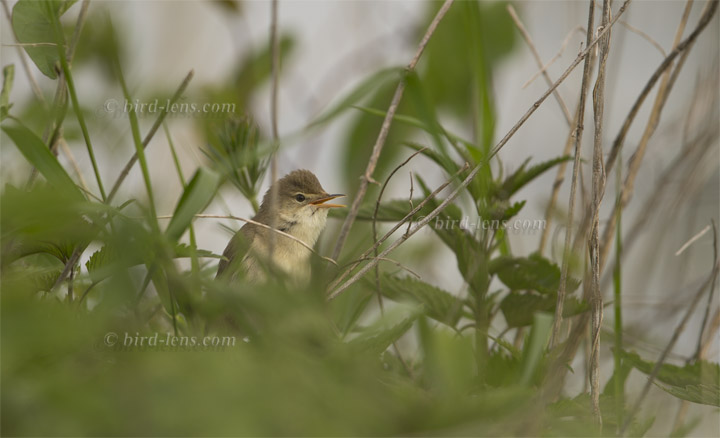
<point x="330" y="47"/>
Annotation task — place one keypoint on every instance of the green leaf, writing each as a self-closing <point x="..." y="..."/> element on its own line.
<point x="389" y="211"/>
<point x="8" y="77"/>
<point x="387" y="329"/>
<point x="361" y="91"/>
<point x="35" y="151"/>
<point x="519" y="309"/>
<point x="196" y="196"/>
<point x="438" y="304"/>
<point x="522" y="177"/>
<point x="698" y="382"/>
<point x="532" y="273"/>
<point x="32" y="21"/>
<point x="533" y="352"/>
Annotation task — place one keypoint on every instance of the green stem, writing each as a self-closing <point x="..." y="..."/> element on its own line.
<point x="73" y="96"/>
<point x="139" y="148"/>
<point x="617" y="282"/>
<point x="178" y="168"/>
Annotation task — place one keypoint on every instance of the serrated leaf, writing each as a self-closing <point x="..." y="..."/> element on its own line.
<point x="8" y="77"/>
<point x="698" y="382"/>
<point x="702" y="394"/>
<point x="522" y="177"/>
<point x="519" y="309"/>
<point x="196" y="196"/>
<point x="184" y="250"/>
<point x="437" y="303"/>
<point x="387" y="329"/>
<point x="532" y="273"/>
<point x="39" y="155"/>
<point x="33" y="23"/>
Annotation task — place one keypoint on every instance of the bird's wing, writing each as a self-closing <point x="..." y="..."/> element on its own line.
<point x="236" y="250"/>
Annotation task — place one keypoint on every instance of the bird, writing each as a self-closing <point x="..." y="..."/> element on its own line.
<point x="301" y="211"/>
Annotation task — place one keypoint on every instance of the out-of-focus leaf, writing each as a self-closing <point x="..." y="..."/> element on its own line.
<point x="38" y="154"/>
<point x="532" y="273"/>
<point x="471" y="257"/>
<point x="519" y="309"/>
<point x="8" y="77"/>
<point x="522" y="177"/>
<point x="360" y="92"/>
<point x="533" y="352"/>
<point x="32" y="22"/>
<point x="698" y="382"/>
<point x="196" y="196"/>
<point x="438" y="304"/>
<point x="390" y="211"/>
<point x="387" y="329"/>
<point x="702" y="394"/>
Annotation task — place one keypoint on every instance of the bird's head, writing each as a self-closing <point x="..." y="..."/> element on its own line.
<point x="301" y="200"/>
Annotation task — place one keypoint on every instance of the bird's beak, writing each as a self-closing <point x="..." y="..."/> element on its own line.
<point x="322" y="201"/>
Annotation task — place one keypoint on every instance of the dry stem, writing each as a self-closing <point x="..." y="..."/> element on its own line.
<point x="366" y="179"/>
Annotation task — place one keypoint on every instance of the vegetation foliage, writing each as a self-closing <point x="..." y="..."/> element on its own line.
<point x="392" y="355"/>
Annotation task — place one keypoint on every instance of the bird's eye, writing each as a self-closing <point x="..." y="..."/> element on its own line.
<point x="300" y="197"/>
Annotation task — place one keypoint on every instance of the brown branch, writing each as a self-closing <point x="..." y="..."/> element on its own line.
<point x="554" y="58"/>
<point x="493" y="152"/>
<point x="536" y="55"/>
<point x="598" y="191"/>
<point x="579" y="117"/>
<point x="259" y="224"/>
<point x="676" y="334"/>
<point x="275" y="73"/>
<point x="397" y="226"/>
<point x="663" y="92"/>
<point x="366" y="179"/>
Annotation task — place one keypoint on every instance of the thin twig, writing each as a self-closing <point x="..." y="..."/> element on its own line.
<point x="663" y="92"/>
<point x="579" y="128"/>
<point x="23" y="60"/>
<point x="275" y="73"/>
<point x="536" y="55"/>
<point x="77" y="252"/>
<point x="692" y="240"/>
<point x="493" y="152"/>
<point x="598" y="192"/>
<point x="73" y="163"/>
<point x="676" y="334"/>
<point x="259" y="224"/>
<point x="698" y="350"/>
<point x="644" y="35"/>
<point x="554" y="58"/>
<point x="366" y="179"/>
<point x="149" y="135"/>
<point x="398" y="225"/>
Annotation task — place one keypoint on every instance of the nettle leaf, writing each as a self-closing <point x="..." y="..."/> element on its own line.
<point x="33" y="23"/>
<point x="702" y="394"/>
<point x="184" y="250"/>
<point x="8" y="77"/>
<point x="387" y="329"/>
<point x="698" y="382"/>
<point x="522" y="177"/>
<point x="532" y="273"/>
<point x="438" y="304"/>
<point x="519" y="309"/>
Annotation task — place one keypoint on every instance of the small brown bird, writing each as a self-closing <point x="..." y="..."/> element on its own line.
<point x="301" y="211"/>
